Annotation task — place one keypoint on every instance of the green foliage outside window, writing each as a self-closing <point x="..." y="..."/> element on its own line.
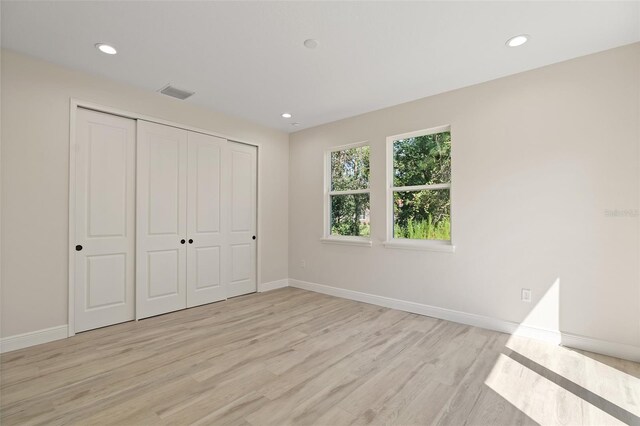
<point x="418" y="214"/>
<point x="422" y="160"/>
<point x="350" y="215"/>
<point x="350" y="171"/>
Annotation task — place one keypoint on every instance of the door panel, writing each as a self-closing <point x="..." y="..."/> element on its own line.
<point x="241" y="262"/>
<point x="107" y="274"/>
<point x="243" y="208"/>
<point x="161" y="219"/>
<point x="207" y="256"/>
<point x="207" y="267"/>
<point x="104" y="220"/>
<point x="107" y="186"/>
<point x="242" y="179"/>
<point x="164" y="186"/>
<point x="207" y="177"/>
<point x="164" y="279"/>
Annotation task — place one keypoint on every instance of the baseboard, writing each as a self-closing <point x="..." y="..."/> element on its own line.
<point x="617" y="350"/>
<point x="272" y="285"/>
<point x="434" y="311"/>
<point x="20" y="341"/>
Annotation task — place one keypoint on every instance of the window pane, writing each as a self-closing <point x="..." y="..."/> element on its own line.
<point x="422" y="215"/>
<point x="350" y="215"/>
<point x="423" y="160"/>
<point x="350" y="169"/>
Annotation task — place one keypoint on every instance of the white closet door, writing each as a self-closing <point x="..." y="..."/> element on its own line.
<point x="104" y="220"/>
<point x="161" y="213"/>
<point x="243" y="208"/>
<point x="207" y="250"/>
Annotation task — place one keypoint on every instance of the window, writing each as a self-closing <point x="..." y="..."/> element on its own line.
<point x="419" y="182"/>
<point x="347" y="194"/>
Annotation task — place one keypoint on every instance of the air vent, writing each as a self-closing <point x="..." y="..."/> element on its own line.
<point x="174" y="92"/>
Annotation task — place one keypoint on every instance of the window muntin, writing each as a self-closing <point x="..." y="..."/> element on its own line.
<point x="348" y="192"/>
<point x="421" y="183"/>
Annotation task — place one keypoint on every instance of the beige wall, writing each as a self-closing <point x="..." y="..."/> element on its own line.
<point x="35" y="167"/>
<point x="538" y="158"/>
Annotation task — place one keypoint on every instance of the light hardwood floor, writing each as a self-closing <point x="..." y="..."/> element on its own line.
<point x="295" y="357"/>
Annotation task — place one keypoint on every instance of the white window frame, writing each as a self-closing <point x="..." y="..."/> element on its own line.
<point x="341" y="239"/>
<point x="404" y="243"/>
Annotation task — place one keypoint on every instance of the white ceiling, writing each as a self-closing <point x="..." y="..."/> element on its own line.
<point x="248" y="59"/>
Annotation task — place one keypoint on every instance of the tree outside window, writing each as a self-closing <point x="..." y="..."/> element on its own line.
<point x="349" y="192"/>
<point x="421" y="186"/>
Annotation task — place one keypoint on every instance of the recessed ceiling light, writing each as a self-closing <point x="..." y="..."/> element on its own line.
<point x="311" y="43"/>
<point x="106" y="48"/>
<point x="518" y="40"/>
<point x="286" y="115"/>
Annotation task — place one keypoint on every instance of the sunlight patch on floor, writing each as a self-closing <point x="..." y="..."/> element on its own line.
<point x="531" y="393"/>
<point x="612" y="384"/>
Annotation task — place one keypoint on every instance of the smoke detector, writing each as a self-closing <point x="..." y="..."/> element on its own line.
<point x="174" y="92"/>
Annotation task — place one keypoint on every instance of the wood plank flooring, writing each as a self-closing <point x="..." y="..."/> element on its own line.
<point x="292" y="357"/>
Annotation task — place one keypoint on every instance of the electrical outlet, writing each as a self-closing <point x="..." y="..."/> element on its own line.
<point x="303" y="263"/>
<point x="526" y="295"/>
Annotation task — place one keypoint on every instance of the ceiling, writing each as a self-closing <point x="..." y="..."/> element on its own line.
<point x="247" y="58"/>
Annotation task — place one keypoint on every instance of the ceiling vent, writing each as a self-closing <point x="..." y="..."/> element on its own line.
<point x="174" y="92"/>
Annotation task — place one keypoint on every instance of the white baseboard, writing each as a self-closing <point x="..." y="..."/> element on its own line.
<point x="272" y="285"/>
<point x="433" y="311"/>
<point x="19" y="341"/>
<point x="617" y="350"/>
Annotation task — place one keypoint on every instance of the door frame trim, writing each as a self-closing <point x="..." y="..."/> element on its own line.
<point x="74" y="104"/>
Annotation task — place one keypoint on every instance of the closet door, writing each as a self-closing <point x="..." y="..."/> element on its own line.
<point x="207" y="250"/>
<point x="242" y="210"/>
<point x="161" y="213"/>
<point x="104" y="220"/>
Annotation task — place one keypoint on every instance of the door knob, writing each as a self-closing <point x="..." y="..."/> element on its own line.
<point x="78" y="247"/>
<point x="182" y="241"/>
<point x="253" y="238"/>
<point x="190" y="241"/>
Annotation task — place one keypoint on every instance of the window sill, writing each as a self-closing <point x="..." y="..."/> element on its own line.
<point x="445" y="247"/>
<point x="347" y="241"/>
